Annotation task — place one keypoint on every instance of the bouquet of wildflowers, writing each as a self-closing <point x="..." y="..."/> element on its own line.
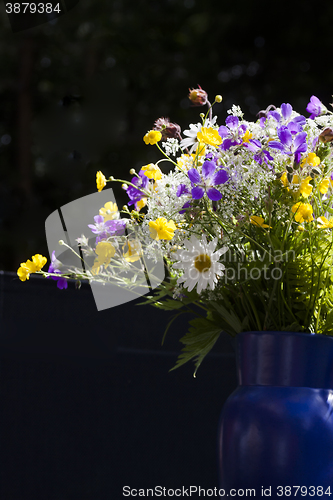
<point x="242" y="218"/>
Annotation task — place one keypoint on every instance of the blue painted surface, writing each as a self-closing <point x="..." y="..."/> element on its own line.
<point x="276" y="428"/>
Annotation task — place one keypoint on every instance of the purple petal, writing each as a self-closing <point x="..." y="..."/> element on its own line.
<point x="300" y="120"/>
<point x="220" y="177"/>
<point x="62" y="284"/>
<point x="185" y="206"/>
<point x="275" y="115"/>
<point x="286" y="110"/>
<point x="98" y="219"/>
<point x="213" y="194"/>
<point x="182" y="189"/>
<point x="93" y="228"/>
<point x="315" y="107"/>
<point x="299" y="140"/>
<point x="255" y="145"/>
<point x="262" y="121"/>
<point x="197" y="193"/>
<point x="232" y="122"/>
<point x="258" y="158"/>
<point x="242" y="129"/>
<point x="276" y="145"/>
<point x="223" y="131"/>
<point x="294" y="127"/>
<point x="227" y="143"/>
<point x="208" y="168"/>
<point x="267" y="156"/>
<point x="194" y="176"/>
<point x="285" y="136"/>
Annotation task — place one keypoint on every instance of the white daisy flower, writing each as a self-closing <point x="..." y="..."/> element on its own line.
<point x="191" y="139"/>
<point x="200" y="263"/>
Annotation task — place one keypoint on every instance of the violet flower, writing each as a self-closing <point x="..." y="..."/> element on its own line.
<point x="261" y="155"/>
<point x="315" y="107"/>
<point x="232" y="133"/>
<point x="54" y="268"/>
<point x="295" y="125"/>
<point x="135" y="194"/>
<point x="290" y="144"/>
<point x="210" y="177"/>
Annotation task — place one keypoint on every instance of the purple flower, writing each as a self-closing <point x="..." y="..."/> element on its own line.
<point x="260" y="154"/>
<point x="232" y="133"/>
<point x="185" y="207"/>
<point x="54" y="268"/>
<point x="315" y="107"/>
<point x="182" y="189"/>
<point x="290" y="143"/>
<point x="135" y="193"/>
<point x="295" y="125"/>
<point x="110" y="227"/>
<point x="210" y="177"/>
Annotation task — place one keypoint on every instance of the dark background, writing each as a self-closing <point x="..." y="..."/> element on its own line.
<point x="128" y="63"/>
<point x="87" y="402"/>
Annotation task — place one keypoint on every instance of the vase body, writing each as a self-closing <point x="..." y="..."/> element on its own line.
<point x="276" y="428"/>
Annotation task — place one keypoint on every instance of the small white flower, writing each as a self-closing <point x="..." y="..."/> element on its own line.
<point x="200" y="263"/>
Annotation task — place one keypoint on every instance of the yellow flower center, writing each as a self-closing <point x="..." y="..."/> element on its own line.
<point x="202" y="263"/>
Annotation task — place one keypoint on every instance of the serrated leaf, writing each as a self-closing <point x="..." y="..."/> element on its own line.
<point x="199" y="340"/>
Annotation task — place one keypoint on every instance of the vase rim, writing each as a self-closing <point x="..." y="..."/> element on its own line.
<point x="296" y="334"/>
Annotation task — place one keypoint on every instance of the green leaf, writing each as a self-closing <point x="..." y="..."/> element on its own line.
<point x="229" y="317"/>
<point x="199" y="340"/>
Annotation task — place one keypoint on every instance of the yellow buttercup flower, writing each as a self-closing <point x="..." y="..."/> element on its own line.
<point x="324" y="185"/>
<point x="285" y="182"/>
<point x="152" y="171"/>
<point x="133" y="251"/>
<point x="100" y="181"/>
<point x="161" y="229"/>
<point x="305" y="187"/>
<point x="312" y="159"/>
<point x="109" y="211"/>
<point x="303" y="212"/>
<point x="209" y="135"/>
<point x="325" y="223"/>
<point x="258" y="221"/>
<point x="39" y="261"/>
<point x="152" y="137"/>
<point x="29" y="267"/>
<point x="247" y="136"/>
<point x="141" y="203"/>
<point x="105" y="251"/>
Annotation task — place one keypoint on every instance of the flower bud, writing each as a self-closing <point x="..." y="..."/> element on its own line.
<point x="132" y="171"/>
<point x="218" y="98"/>
<point x="326" y="135"/>
<point x="264" y="112"/>
<point x="124" y="187"/>
<point x="198" y="97"/>
<point x="61" y="242"/>
<point x="168" y="130"/>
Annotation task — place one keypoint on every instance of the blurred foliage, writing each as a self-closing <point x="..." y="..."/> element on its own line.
<point x="88" y="85"/>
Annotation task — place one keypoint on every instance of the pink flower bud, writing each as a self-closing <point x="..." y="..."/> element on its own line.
<point x="168" y="130"/>
<point x="198" y="97"/>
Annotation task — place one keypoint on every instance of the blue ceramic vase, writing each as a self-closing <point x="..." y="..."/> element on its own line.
<point x="276" y="428"/>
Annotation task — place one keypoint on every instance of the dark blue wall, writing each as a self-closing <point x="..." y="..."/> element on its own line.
<point x="88" y="404"/>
